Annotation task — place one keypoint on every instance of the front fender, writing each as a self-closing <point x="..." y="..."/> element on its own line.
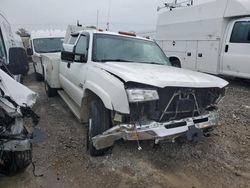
<point x="108" y="88"/>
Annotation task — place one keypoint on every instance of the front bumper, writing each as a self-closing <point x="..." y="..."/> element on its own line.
<point x="156" y="131"/>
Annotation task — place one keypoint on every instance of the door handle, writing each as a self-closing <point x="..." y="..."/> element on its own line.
<point x="226" y="48"/>
<point x="199" y="54"/>
<point x="189" y="54"/>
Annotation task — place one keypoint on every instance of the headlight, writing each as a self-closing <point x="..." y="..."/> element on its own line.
<point x="142" y="95"/>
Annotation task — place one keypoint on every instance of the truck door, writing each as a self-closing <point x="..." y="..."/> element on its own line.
<point x="72" y="75"/>
<point x="236" y="51"/>
<point x="208" y="56"/>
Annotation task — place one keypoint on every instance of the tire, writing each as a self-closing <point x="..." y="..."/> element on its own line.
<point x="15" y="162"/>
<point x="38" y="76"/>
<point x="99" y="122"/>
<point x="51" y="92"/>
<point x="176" y="63"/>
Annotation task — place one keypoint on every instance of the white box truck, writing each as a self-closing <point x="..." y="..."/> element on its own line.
<point x="213" y="37"/>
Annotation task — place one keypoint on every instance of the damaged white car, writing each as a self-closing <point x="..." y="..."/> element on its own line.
<point x="16" y="101"/>
<point x="126" y="88"/>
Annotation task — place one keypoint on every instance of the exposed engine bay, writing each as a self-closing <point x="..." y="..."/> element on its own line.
<point x="177" y="103"/>
<point x="177" y="111"/>
<point x="15" y="141"/>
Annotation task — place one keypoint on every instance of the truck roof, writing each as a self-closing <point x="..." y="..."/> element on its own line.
<point x="71" y="29"/>
<point x="212" y="9"/>
<point x="47" y="34"/>
<point x="125" y="34"/>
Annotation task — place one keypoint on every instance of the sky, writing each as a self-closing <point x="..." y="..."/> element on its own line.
<point x="125" y="15"/>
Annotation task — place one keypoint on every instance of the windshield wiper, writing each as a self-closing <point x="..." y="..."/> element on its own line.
<point x="153" y="63"/>
<point x="113" y="60"/>
<point x="52" y="51"/>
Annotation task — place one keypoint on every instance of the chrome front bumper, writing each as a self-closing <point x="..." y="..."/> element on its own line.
<point x="155" y="131"/>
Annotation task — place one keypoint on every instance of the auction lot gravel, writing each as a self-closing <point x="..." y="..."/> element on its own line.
<point x="59" y="152"/>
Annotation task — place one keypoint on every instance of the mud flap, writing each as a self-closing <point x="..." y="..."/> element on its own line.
<point x="194" y="134"/>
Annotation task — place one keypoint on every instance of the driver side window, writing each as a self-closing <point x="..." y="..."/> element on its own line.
<point x="81" y="49"/>
<point x="241" y="32"/>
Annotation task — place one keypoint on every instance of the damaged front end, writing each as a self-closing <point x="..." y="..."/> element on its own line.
<point x="15" y="141"/>
<point x="164" y="114"/>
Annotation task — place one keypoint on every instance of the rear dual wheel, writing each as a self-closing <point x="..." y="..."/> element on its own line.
<point x="51" y="92"/>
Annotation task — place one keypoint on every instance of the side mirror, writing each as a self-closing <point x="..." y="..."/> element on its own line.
<point x="18" y="61"/>
<point x="29" y="51"/>
<point x="69" y="55"/>
<point x="81" y="58"/>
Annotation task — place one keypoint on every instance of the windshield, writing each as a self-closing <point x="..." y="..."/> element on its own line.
<point x="125" y="49"/>
<point x="48" y="45"/>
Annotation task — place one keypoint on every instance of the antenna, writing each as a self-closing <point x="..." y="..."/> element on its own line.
<point x="175" y="4"/>
<point x="108" y="17"/>
<point x="97" y="19"/>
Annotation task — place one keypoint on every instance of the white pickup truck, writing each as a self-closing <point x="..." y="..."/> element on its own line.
<point x="125" y="88"/>
<point x="44" y="42"/>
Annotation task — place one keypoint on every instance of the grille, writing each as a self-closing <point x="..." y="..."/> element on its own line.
<point x="178" y="103"/>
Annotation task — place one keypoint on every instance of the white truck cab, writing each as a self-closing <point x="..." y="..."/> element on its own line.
<point x="124" y="87"/>
<point x="213" y="37"/>
<point x="44" y="42"/>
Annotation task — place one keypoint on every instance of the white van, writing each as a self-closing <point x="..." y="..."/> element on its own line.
<point x="11" y="51"/>
<point x="44" y="42"/>
<point x="212" y="37"/>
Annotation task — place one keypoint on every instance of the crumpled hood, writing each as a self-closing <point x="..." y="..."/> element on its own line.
<point x="160" y="75"/>
<point x="22" y="95"/>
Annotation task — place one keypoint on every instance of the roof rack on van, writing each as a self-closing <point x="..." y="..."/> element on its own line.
<point x="175" y="4"/>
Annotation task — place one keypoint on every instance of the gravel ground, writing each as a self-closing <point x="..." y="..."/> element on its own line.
<point x="221" y="160"/>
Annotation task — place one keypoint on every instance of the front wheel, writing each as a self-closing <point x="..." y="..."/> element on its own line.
<point x="99" y="122"/>
<point x="176" y="63"/>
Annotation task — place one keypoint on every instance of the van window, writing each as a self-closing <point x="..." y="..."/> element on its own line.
<point x="2" y="47"/>
<point x="241" y="32"/>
